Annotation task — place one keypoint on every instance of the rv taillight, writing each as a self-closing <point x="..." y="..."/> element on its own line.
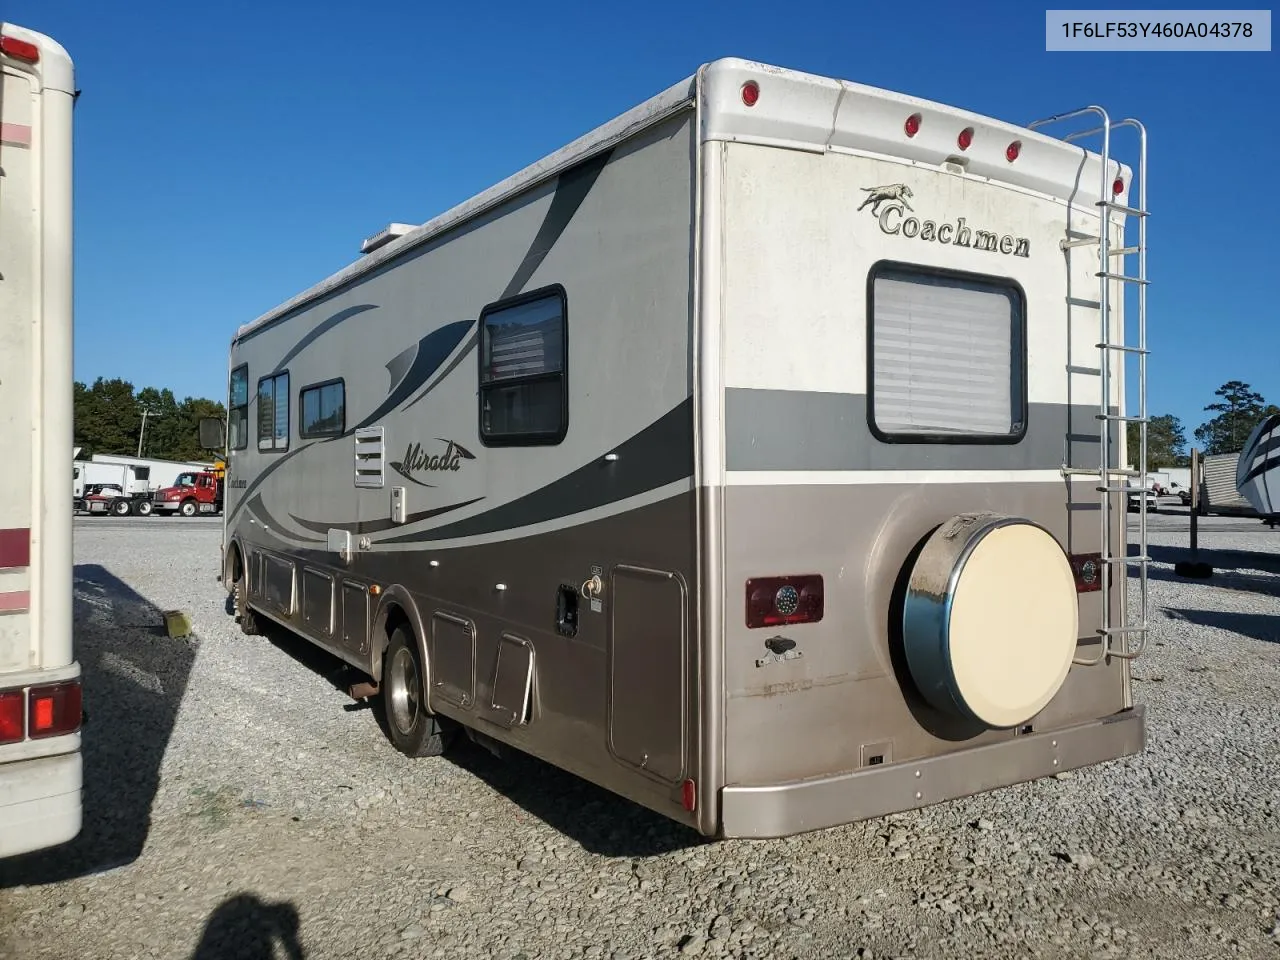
<point x="20" y="49"/>
<point x="778" y="601"/>
<point x="1117" y="188"/>
<point x="1087" y="568"/>
<point x="750" y="93"/>
<point x="11" y="716"/>
<point x="965" y="138"/>
<point x="689" y="795"/>
<point x="912" y="126"/>
<point x="1012" y="150"/>
<point x="55" y="710"/>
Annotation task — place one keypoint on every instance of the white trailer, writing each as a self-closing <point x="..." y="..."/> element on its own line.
<point x="40" y="712"/>
<point x="136" y="478"/>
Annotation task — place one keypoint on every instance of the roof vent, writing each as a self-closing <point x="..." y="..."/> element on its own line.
<point x="384" y="236"/>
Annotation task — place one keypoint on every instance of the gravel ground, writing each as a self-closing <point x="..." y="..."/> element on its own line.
<point x="235" y="801"/>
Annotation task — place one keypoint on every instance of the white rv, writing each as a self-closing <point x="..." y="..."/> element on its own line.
<point x="40" y="760"/>
<point x="1257" y="479"/>
<point x="755" y="456"/>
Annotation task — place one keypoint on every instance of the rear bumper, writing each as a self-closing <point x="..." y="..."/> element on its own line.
<point x="40" y="802"/>
<point x="784" y="809"/>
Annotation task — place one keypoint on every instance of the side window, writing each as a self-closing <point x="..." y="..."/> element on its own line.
<point x="946" y="357"/>
<point x="273" y="412"/>
<point x="238" y="409"/>
<point x="524" y="395"/>
<point x="322" y="409"/>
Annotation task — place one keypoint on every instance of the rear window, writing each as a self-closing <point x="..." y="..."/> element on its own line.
<point x="946" y="356"/>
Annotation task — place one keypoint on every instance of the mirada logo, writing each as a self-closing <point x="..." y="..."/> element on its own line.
<point x="889" y="205"/>
<point x="417" y="460"/>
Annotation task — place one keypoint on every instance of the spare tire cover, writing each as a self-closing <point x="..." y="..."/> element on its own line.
<point x="991" y="619"/>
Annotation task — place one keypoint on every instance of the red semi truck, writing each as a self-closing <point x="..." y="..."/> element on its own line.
<point x="194" y="492"/>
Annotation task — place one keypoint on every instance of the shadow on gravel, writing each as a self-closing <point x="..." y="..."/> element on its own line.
<point x="245" y="927"/>
<point x="1228" y="567"/>
<point x="601" y="821"/>
<point x="1264" y="627"/>
<point x="134" y="679"/>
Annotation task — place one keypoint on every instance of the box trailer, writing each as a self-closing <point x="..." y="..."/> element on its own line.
<point x="40" y="758"/>
<point x="756" y="456"/>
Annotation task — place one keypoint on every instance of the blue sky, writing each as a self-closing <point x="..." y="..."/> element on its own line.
<point x="230" y="155"/>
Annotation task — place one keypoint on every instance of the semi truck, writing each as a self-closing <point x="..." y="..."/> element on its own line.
<point x="40" y="676"/>
<point x="193" y="492"/>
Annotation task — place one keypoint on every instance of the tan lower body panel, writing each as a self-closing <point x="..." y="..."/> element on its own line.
<point x="783" y="809"/>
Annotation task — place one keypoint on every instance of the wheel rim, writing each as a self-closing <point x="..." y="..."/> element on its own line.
<point x="402" y="689"/>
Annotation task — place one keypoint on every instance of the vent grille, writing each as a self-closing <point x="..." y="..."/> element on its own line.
<point x="370" y="457"/>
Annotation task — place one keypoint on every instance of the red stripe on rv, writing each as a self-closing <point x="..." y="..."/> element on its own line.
<point x="15" y="547"/>
<point x="16" y="601"/>
<point x="18" y="134"/>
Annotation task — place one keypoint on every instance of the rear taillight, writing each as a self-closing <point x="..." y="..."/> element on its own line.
<point x="11" y="716"/>
<point x="1087" y="568"/>
<point x="54" y="710"/>
<point x="777" y="601"/>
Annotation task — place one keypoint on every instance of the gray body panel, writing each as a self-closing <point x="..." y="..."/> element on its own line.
<point x="676" y="481"/>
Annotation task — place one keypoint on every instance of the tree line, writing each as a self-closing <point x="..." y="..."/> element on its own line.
<point x="1238" y="409"/>
<point x="109" y="419"/>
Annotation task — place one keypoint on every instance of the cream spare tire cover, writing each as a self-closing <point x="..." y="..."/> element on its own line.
<point x="990" y="619"/>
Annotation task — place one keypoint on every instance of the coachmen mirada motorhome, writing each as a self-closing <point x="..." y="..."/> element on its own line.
<point x="40" y="697"/>
<point x="757" y="456"/>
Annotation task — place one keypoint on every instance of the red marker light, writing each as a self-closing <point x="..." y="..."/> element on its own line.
<point x="11" y="716"/>
<point x="1012" y="150"/>
<point x="965" y="138"/>
<point x="55" y="710"/>
<point x="750" y="93"/>
<point x="689" y="795"/>
<point x="1117" y="188"/>
<point x="20" y="49"/>
<point x="912" y="126"/>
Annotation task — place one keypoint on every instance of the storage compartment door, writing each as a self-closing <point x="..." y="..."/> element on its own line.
<point x="648" y="671"/>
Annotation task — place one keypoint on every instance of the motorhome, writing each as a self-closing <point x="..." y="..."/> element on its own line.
<point x="1257" y="480"/>
<point x="756" y="456"/>
<point x="40" y="696"/>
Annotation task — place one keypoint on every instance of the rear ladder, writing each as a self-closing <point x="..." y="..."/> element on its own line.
<point x="1116" y="637"/>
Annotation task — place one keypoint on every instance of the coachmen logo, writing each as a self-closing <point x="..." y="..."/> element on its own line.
<point x="889" y="205"/>
<point x="417" y="460"/>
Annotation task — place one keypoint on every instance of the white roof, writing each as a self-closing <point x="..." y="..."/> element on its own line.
<point x="797" y="110"/>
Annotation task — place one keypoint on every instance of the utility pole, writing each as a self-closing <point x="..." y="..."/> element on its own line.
<point x="142" y="432"/>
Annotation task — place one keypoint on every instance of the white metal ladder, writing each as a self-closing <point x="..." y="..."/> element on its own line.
<point x="1115" y="637"/>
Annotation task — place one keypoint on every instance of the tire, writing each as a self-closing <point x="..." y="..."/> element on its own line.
<point x="410" y="729"/>
<point x="188" y="508"/>
<point x="144" y="508"/>
<point x="121" y="508"/>
<point x="246" y="617"/>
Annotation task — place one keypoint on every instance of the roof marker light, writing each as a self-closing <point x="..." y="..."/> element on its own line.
<point x="750" y="93"/>
<point x="1117" y="188"/>
<point x="20" y="49"/>
<point x="1012" y="150"/>
<point x="965" y="138"/>
<point x="912" y="126"/>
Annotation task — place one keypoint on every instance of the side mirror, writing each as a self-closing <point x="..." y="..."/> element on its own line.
<point x="211" y="433"/>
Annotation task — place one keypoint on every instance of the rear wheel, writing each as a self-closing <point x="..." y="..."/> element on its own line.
<point x="144" y="508"/>
<point x="121" y="508"/>
<point x="248" y="620"/>
<point x="412" y="731"/>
